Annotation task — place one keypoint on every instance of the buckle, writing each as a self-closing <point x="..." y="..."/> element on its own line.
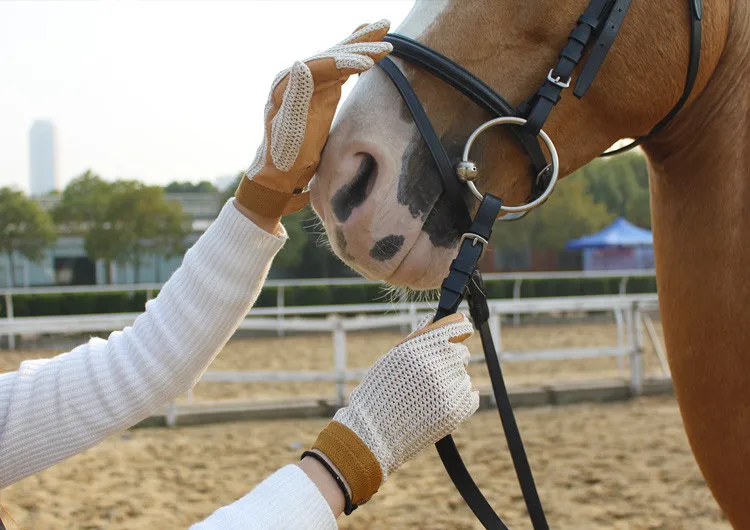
<point x="557" y="80"/>
<point x="476" y="239"/>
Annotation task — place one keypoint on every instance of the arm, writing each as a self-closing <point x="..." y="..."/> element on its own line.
<point x="53" y="408"/>
<point x="286" y="499"/>
<point x="413" y="396"/>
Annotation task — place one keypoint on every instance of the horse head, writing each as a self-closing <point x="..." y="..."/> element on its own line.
<point x="377" y="189"/>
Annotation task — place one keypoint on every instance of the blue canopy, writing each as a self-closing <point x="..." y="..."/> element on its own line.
<point x="619" y="234"/>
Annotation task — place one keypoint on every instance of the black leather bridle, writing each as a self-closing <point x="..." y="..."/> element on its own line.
<point x="592" y="37"/>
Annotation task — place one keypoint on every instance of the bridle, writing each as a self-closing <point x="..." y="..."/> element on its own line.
<point x="593" y="36"/>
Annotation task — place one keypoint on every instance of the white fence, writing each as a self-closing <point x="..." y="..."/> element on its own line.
<point x="631" y="315"/>
<point x="103" y="322"/>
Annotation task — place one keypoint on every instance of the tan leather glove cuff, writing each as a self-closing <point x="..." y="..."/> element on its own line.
<point x="353" y="458"/>
<point x="268" y="202"/>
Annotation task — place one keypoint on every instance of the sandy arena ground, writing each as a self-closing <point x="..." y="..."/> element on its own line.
<point x="624" y="465"/>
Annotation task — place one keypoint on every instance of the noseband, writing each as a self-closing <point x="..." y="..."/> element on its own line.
<point x="593" y="36"/>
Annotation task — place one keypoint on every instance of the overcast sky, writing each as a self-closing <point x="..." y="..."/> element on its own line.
<point x="156" y="90"/>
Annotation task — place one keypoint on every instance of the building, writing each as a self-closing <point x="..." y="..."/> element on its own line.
<point x="66" y="262"/>
<point x="42" y="158"/>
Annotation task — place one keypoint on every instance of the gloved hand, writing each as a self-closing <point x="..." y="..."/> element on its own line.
<point x="298" y="119"/>
<point x="416" y="394"/>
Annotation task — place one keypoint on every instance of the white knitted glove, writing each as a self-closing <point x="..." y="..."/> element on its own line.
<point x="416" y="394"/>
<point x="298" y="118"/>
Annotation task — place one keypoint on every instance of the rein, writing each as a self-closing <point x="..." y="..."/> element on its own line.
<point x="595" y="32"/>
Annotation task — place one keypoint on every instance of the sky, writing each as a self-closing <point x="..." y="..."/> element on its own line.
<point x="157" y="90"/>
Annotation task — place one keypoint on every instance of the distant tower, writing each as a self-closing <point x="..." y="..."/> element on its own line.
<point x="42" y="157"/>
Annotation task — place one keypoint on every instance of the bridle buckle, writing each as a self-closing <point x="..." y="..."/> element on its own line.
<point x="476" y="239"/>
<point x="557" y="80"/>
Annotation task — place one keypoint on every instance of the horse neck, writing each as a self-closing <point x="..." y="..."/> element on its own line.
<point x="700" y="185"/>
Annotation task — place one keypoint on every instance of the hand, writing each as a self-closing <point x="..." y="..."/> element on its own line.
<point x="298" y="118"/>
<point x="415" y="395"/>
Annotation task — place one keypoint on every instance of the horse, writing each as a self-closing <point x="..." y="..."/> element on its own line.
<point x="381" y="202"/>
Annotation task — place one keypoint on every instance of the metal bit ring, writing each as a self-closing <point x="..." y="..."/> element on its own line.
<point x="511" y="120"/>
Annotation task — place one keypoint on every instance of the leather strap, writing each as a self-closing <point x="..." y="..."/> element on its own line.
<point x="475" y="89"/>
<point x="608" y="29"/>
<point x="470" y="250"/>
<point x="696" y="35"/>
<point x="480" y="315"/>
<point x="598" y="15"/>
<point x="451" y="185"/>
<point x="463" y="279"/>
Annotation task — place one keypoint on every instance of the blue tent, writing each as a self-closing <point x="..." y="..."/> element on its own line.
<point x="620" y="234"/>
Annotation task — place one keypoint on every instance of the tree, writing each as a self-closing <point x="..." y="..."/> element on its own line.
<point x="203" y="186"/>
<point x="304" y="255"/>
<point x="569" y="213"/>
<point x="232" y="188"/>
<point x="144" y="222"/>
<point x="121" y="221"/>
<point x="583" y="203"/>
<point x="293" y="253"/>
<point x="621" y="183"/>
<point x="25" y="228"/>
<point x="83" y="210"/>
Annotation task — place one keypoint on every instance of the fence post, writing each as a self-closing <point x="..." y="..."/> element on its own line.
<point x="339" y="358"/>
<point x="9" y="316"/>
<point x="656" y="343"/>
<point x="280" y="309"/>
<point x="517" y="296"/>
<point x="636" y="356"/>
<point x="624" y="284"/>
<point x="413" y="317"/>
<point x="171" y="414"/>
<point x="405" y="312"/>
<point x="496" y="328"/>
<point x="620" y="339"/>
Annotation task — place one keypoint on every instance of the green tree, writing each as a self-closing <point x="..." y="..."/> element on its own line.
<point x="25" y="228"/>
<point x="83" y="210"/>
<point x="621" y="183"/>
<point x="142" y="222"/>
<point x="229" y="192"/>
<point x="122" y="221"/>
<point x="304" y="255"/>
<point x="569" y="213"/>
<point x="292" y="254"/>
<point x="203" y="186"/>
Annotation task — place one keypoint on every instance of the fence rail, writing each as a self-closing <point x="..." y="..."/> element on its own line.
<point x="316" y="282"/>
<point x="282" y="285"/>
<point x="630" y="315"/>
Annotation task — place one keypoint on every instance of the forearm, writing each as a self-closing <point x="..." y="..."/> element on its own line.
<point x="286" y="499"/>
<point x="52" y="409"/>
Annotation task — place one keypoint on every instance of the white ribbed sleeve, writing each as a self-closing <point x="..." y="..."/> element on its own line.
<point x="287" y="499"/>
<point x="51" y="409"/>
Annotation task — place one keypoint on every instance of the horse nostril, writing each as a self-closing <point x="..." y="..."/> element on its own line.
<point x="353" y="194"/>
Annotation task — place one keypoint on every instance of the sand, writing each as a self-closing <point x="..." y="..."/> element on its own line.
<point x="623" y="465"/>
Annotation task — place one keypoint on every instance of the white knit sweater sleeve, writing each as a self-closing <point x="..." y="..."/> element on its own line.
<point x="287" y="499"/>
<point x="51" y="409"/>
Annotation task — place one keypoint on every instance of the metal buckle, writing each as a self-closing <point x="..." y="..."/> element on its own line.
<point x="556" y="80"/>
<point x="476" y="240"/>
